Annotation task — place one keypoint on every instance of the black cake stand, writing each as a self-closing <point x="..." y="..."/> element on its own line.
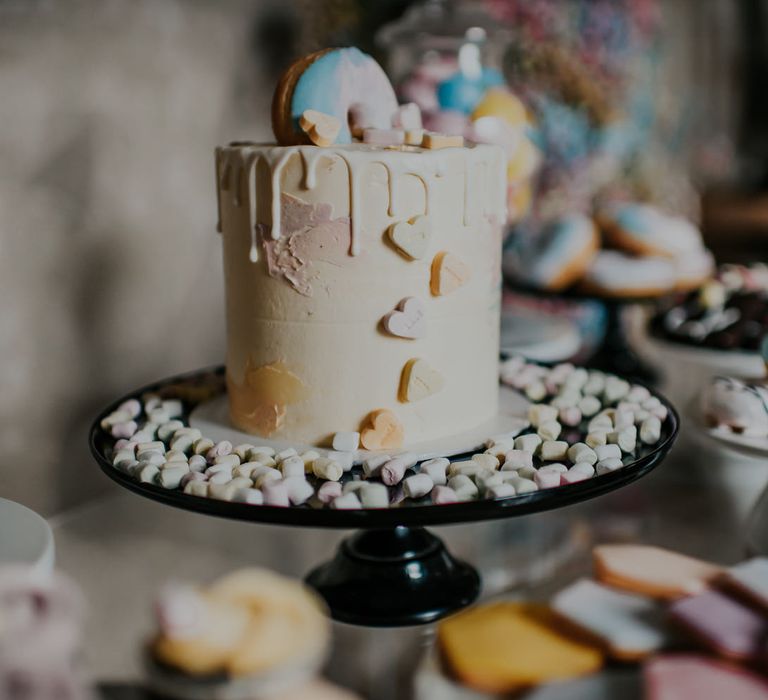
<point x="392" y="571"/>
<point x="615" y="353"/>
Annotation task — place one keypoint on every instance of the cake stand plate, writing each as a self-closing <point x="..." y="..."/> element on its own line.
<point x="212" y="419"/>
<point x="615" y="353"/>
<point x="392" y="572"/>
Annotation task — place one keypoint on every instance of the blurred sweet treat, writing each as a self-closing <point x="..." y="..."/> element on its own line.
<point x="41" y="625"/>
<point x="736" y="405"/>
<point x="251" y="633"/>
<point x="729" y="312"/>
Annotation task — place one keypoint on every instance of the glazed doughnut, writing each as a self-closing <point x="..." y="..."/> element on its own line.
<point x="642" y="229"/>
<point x="693" y="269"/>
<point x="560" y="255"/>
<point x="615" y="274"/>
<point x="736" y="404"/>
<point x="332" y="82"/>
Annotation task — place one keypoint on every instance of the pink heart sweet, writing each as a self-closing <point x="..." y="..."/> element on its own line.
<point x="407" y="320"/>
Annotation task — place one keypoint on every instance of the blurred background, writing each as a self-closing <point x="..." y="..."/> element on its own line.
<point x="110" y="111"/>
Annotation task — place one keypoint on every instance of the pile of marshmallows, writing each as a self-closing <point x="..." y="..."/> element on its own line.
<point x="166" y="452"/>
<point x="406" y="128"/>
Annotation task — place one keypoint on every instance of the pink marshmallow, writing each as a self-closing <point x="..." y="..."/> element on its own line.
<point x="329" y="491"/>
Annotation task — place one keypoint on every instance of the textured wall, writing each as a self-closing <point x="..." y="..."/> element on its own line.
<point x="110" y="270"/>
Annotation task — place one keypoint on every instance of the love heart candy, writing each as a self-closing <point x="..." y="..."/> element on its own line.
<point x="321" y="128"/>
<point x="407" y="320"/>
<point x="448" y="274"/>
<point x="411" y="237"/>
<point x="419" y="380"/>
<point x="384" y="431"/>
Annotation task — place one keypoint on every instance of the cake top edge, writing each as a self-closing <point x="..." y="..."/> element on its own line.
<point x="253" y="147"/>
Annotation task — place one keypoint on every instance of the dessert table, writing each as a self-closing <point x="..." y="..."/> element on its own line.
<point x="121" y="548"/>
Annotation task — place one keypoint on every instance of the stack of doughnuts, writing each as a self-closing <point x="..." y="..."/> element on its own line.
<point x="626" y="250"/>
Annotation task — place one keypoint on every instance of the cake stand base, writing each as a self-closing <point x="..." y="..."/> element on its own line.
<point x="399" y="576"/>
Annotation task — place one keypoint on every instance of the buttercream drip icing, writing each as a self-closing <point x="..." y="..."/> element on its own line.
<point x="236" y="167"/>
<point x="310" y="271"/>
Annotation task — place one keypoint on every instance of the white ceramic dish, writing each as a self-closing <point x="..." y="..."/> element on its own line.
<point x="25" y="537"/>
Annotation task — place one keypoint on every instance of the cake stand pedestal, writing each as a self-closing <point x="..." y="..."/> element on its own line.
<point x="615" y="353"/>
<point x="392" y="571"/>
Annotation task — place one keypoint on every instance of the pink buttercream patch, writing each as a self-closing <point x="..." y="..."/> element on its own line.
<point x="309" y="235"/>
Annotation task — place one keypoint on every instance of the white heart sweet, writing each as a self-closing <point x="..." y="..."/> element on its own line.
<point x="407" y="320"/>
<point x="411" y="237"/>
<point x="419" y="380"/>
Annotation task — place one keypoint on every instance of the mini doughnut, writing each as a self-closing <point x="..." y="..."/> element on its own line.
<point x="333" y="82"/>
<point x="560" y="255"/>
<point x="614" y="274"/>
<point x="642" y="229"/>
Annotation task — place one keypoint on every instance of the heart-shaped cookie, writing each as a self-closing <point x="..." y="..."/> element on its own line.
<point x="411" y="237"/>
<point x="448" y="274"/>
<point x="407" y="320"/>
<point x="419" y="380"/>
<point x="321" y="128"/>
<point x="383" y="431"/>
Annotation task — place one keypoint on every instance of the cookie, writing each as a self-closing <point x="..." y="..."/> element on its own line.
<point x="652" y="571"/>
<point x="504" y="646"/>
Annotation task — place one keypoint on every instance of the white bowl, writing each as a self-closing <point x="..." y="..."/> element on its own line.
<point x="25" y="537"/>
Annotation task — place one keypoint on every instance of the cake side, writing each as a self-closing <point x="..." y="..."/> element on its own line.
<point x="322" y="246"/>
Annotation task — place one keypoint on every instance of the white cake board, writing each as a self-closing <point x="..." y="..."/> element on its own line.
<point x="212" y="419"/>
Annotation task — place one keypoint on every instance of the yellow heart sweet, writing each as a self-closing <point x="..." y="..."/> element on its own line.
<point x="419" y="380"/>
<point x="448" y="274"/>
<point x="411" y="237"/>
<point x="321" y="128"/>
<point x="383" y="431"/>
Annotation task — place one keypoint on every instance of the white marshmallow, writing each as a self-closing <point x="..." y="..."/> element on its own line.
<point x="615" y="389"/>
<point x="231" y="459"/>
<point x="372" y="465"/>
<point x="503" y="490"/>
<point x="130" y="406"/>
<point x="547" y="478"/>
<point x="345" y="460"/>
<point x="226" y="492"/>
<point x="607" y="452"/>
<point x="328" y="469"/>
<point x="517" y="459"/>
<point x="581" y="452"/>
<point x="605" y="466"/>
<point x="539" y="413"/>
<point x="436" y="469"/>
<point x="268" y="476"/>
<point x="346" y="441"/>
<point x="486" y="461"/>
<point x="464" y="487"/>
<point x="626" y="438"/>
<point x="650" y="430"/>
<point x="253" y="497"/>
<point x="374" y="495"/>
<point x="526" y="472"/>
<point x="578" y="472"/>
<point x="299" y="489"/>
<point x="552" y="450"/>
<point x="528" y="443"/>
<point x="276" y="494"/>
<point x="570" y="416"/>
<point x="349" y="501"/>
<point x="417" y="485"/>
<point x="197" y="463"/>
<point x="284" y="454"/>
<point x="524" y="485"/>
<point x="590" y="405"/>
<point x="329" y="491"/>
<point x="146" y="474"/>
<point x="202" y="445"/>
<point x="595" y="438"/>
<point x="242" y="451"/>
<point x="293" y="466"/>
<point x="171" y="477"/>
<point x="535" y="391"/>
<point x="196" y="488"/>
<point x="549" y="431"/>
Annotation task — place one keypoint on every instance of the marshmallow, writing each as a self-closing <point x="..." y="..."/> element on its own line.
<point x="486" y="461"/>
<point x="154" y="458"/>
<point x="435" y="469"/>
<point x="175" y="456"/>
<point x="383" y="137"/>
<point x="442" y="495"/>
<point x="308" y="457"/>
<point x="578" y="472"/>
<point x="372" y="465"/>
<point x="196" y="488"/>
<point x="267" y="476"/>
<point x="637" y="394"/>
<point x="231" y="459"/>
<point x="114" y="418"/>
<point x="328" y="469"/>
<point x="626" y="438"/>
<point x="184" y="438"/>
<point x="487" y="479"/>
<point x="261" y="452"/>
<point x="407" y="116"/>
<point x="221" y="477"/>
<point x="504" y="490"/>
<point x="299" y="489"/>
<point x="253" y="497"/>
<point x="607" y="452"/>
<point x="242" y="451"/>
<point x="202" y="445"/>
<point x="546" y="478"/>
<point x="293" y="466"/>
<point x="285" y="454"/>
<point x="528" y="443"/>
<point x="394" y="470"/>
<point x="125" y="429"/>
<point x="589" y="405"/>
<point x="581" y="452"/>
<point x="570" y="416"/>
<point x="595" y="384"/>
<point x="500" y="449"/>
<point x="549" y="430"/>
<point x="374" y="495"/>
<point x="414" y="137"/>
<point x="146" y="474"/>
<point x="539" y="413"/>
<point x="517" y="459"/>
<point x="526" y="472"/>
<point x="650" y="430"/>
<point x="220" y="449"/>
<point x="466" y="467"/>
<point x="226" y="491"/>
<point x="329" y="491"/>
<point x="150" y="446"/>
<point x="553" y="449"/>
<point x="568" y="398"/>
<point x="464" y="487"/>
<point x="602" y="421"/>
<point x="595" y="438"/>
<point x="345" y="460"/>
<point x="615" y="389"/>
<point x="623" y="419"/>
<point x="524" y="485"/>
<point x="131" y="407"/>
<point x="536" y="391"/>
<point x="123" y="456"/>
<point x="276" y="494"/>
<point x="606" y="466"/>
<point x="173" y="407"/>
<point x="348" y="501"/>
<point x="170" y="478"/>
<point x="417" y="485"/>
<point x="197" y="463"/>
<point x="346" y="441"/>
<point x="192" y="476"/>
<point x="577" y="379"/>
<point x="151" y="402"/>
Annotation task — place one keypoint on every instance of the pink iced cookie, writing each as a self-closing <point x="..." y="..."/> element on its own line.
<point x="652" y="571"/>
<point x="725" y="626"/>
<point x="686" y="676"/>
<point x="750" y="580"/>
<point x="630" y="627"/>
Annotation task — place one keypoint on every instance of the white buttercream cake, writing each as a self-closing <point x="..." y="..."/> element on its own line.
<point x="361" y="280"/>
